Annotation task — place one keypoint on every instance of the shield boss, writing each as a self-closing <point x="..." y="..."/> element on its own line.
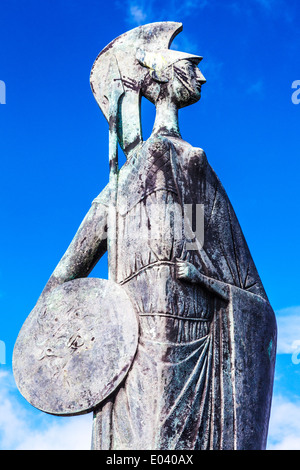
<point x="76" y="346"/>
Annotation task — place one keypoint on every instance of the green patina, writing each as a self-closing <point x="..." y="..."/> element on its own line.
<point x="270" y="348"/>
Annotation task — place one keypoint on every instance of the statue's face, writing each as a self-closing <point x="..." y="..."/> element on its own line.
<point x="181" y="82"/>
<point x="187" y="82"/>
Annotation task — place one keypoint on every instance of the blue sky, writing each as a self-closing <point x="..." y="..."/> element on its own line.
<point x="54" y="159"/>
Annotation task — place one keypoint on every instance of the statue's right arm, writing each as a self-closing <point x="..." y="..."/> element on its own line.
<point x="188" y="272"/>
<point x="86" y="248"/>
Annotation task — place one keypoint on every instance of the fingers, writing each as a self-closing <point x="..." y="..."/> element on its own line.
<point x="182" y="272"/>
<point x="181" y="276"/>
<point x="181" y="266"/>
<point x="181" y="262"/>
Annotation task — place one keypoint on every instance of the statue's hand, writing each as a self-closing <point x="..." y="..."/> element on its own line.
<point x="186" y="271"/>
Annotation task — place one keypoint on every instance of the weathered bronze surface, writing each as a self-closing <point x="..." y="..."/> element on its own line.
<point x="201" y="376"/>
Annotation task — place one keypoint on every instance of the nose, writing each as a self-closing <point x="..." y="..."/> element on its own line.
<point x="200" y="77"/>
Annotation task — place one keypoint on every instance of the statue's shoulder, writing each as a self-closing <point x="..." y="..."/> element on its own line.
<point x="197" y="156"/>
<point x="158" y="144"/>
<point x="104" y="197"/>
<point x="188" y="156"/>
<point x="187" y="153"/>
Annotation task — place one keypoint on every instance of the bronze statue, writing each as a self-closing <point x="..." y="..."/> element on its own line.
<point x="198" y="357"/>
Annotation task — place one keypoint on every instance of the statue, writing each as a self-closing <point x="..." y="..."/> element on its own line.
<point x="176" y="350"/>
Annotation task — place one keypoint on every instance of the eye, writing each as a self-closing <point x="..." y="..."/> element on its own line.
<point x="192" y="69"/>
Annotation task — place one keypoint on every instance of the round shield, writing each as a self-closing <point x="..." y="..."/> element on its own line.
<point x="76" y="346"/>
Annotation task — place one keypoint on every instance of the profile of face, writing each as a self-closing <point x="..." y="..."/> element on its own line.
<point x="181" y="83"/>
<point x="186" y="83"/>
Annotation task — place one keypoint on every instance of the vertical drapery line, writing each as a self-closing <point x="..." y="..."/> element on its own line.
<point x="232" y="361"/>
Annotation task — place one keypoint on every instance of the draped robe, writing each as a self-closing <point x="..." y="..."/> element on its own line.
<point x="203" y="373"/>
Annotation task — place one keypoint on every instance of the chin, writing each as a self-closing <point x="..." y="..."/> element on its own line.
<point x="195" y="97"/>
<point x="190" y="99"/>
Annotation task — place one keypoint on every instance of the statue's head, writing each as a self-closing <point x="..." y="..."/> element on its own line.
<point x="179" y="82"/>
<point x="141" y="64"/>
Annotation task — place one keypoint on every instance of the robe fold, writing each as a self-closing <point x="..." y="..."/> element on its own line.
<point x="202" y="376"/>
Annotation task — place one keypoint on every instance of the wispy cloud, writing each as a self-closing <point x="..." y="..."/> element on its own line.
<point x="137" y="14"/>
<point x="141" y="11"/>
<point x="267" y="4"/>
<point x="272" y="8"/>
<point x="256" y="88"/>
<point x="284" y="429"/>
<point x="21" y="429"/>
<point x="288" y="322"/>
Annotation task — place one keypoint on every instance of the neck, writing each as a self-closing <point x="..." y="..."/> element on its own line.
<point x="166" y="120"/>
